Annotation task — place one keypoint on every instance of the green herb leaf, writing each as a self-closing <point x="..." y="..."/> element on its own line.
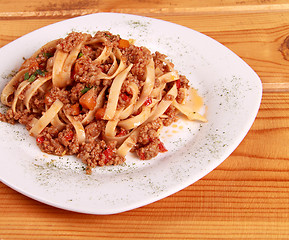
<point x="32" y="78"/>
<point x="26" y="76"/>
<point x="40" y="72"/>
<point x="80" y="55"/>
<point x="85" y="90"/>
<point x="47" y="55"/>
<point x="107" y="35"/>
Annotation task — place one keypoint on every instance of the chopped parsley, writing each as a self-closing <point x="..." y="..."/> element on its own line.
<point x="47" y="54"/>
<point x="85" y="90"/>
<point x="26" y="76"/>
<point x="32" y="77"/>
<point x="80" y="55"/>
<point x="107" y="35"/>
<point x="40" y="72"/>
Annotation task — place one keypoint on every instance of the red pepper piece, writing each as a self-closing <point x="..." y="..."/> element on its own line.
<point x="108" y="154"/>
<point x="69" y="136"/>
<point x="40" y="139"/>
<point x="162" y="147"/>
<point x="148" y="101"/>
<point x="124" y="97"/>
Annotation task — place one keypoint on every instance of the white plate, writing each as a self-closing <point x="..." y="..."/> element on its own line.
<point x="231" y="89"/>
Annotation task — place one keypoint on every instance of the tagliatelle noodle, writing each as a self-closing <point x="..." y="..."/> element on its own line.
<point x="63" y="61"/>
<point x="191" y="115"/>
<point x="46" y="118"/>
<point x="103" y="56"/>
<point x="192" y="106"/>
<point x="169" y="77"/>
<point x="33" y="88"/>
<point x="110" y="128"/>
<point x="56" y="122"/>
<point x="120" y="68"/>
<point x="19" y="90"/>
<point x="59" y="60"/>
<point x="52" y="44"/>
<point x="114" y="65"/>
<point x="129" y="109"/>
<point x="158" y="110"/>
<point x="114" y="93"/>
<point x="164" y="104"/>
<point x="137" y="120"/>
<point x="118" y="139"/>
<point x="128" y="143"/>
<point x="148" y="85"/>
<point x="9" y="89"/>
<point x="94" y="41"/>
<point x="79" y="129"/>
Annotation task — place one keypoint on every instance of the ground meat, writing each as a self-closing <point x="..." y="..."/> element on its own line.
<point x="171" y="113"/>
<point x="148" y="142"/>
<point x="68" y="139"/>
<point x="149" y="132"/>
<point x="49" y="143"/>
<point x="169" y="97"/>
<point x="37" y="102"/>
<point x="31" y="64"/>
<point x="56" y="93"/>
<point x="8" y="117"/>
<point x="181" y="95"/>
<point x="99" y="153"/>
<point x="140" y="57"/>
<point x="150" y="150"/>
<point x="159" y="64"/>
<point x="86" y="71"/>
<point x="71" y="41"/>
<point x="94" y="129"/>
<point x="111" y="40"/>
<point x="184" y="82"/>
<point x="24" y="117"/>
<point x="88" y="51"/>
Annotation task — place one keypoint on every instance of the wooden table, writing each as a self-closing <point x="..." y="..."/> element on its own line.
<point x="247" y="196"/>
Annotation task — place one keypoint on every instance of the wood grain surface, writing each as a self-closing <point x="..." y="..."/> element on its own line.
<point x="247" y="196"/>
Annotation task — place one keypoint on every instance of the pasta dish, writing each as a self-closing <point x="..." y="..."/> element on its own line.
<point x="98" y="97"/>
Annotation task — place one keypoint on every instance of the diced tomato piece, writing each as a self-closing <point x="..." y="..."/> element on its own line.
<point x="99" y="113"/>
<point x="148" y="101"/>
<point x="162" y="147"/>
<point x="75" y="109"/>
<point x="123" y="43"/>
<point x="88" y="100"/>
<point x="40" y="139"/>
<point x="124" y="97"/>
<point x="69" y="135"/>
